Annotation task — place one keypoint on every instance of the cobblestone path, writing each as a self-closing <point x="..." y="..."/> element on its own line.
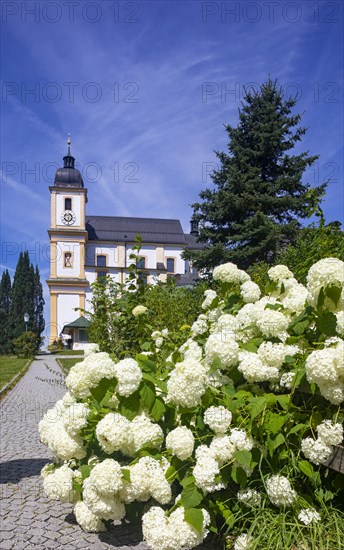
<point x="29" y="520"/>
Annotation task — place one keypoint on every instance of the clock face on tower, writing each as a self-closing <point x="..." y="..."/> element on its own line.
<point x="68" y="217"/>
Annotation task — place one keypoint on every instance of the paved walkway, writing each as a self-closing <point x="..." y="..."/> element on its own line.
<point x="29" y="520"/>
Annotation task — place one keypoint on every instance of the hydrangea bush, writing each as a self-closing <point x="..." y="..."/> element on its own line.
<point x="201" y="437"/>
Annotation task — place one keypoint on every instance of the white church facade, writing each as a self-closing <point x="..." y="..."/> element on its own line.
<point x="85" y="247"/>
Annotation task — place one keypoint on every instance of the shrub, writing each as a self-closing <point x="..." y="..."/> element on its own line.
<point x="235" y="424"/>
<point x="313" y="243"/>
<point x="27" y="344"/>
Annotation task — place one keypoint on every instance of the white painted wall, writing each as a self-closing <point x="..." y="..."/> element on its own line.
<point x="65" y="311"/>
<point x="76" y="207"/>
<point x="174" y="252"/>
<point x="93" y="249"/>
<point x="74" y="248"/>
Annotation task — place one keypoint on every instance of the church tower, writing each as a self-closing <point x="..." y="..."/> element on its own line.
<point x="67" y="282"/>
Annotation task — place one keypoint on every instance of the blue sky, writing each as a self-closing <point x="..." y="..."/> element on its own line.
<point x="144" y="88"/>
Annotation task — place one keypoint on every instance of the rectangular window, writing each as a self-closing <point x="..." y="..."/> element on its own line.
<point x="170" y="263"/>
<point x="68" y="204"/>
<point x="143" y="278"/>
<point x="83" y="336"/>
<point x="101" y="261"/>
<point x="101" y="277"/>
<point x="141" y="263"/>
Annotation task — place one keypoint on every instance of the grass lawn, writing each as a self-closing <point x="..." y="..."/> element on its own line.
<point x="10" y="365"/>
<point x="67" y="364"/>
<point x="68" y="352"/>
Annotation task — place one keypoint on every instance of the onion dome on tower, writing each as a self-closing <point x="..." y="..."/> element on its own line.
<point x="68" y="176"/>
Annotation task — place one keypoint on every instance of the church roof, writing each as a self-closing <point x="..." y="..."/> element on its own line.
<point x="152" y="230"/>
<point x="68" y="176"/>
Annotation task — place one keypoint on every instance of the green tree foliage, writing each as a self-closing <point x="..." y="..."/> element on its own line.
<point x="26" y="345"/>
<point x="27" y="297"/>
<point x="117" y="330"/>
<point x="259" y="194"/>
<point x="313" y="243"/>
<point x="5" y="304"/>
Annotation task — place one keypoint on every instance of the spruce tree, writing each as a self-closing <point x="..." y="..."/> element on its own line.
<point x="259" y="195"/>
<point x="5" y="304"/>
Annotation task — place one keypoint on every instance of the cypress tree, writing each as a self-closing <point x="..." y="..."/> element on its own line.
<point x="5" y="304"/>
<point x="259" y="194"/>
<point x="22" y="296"/>
<point x="38" y="303"/>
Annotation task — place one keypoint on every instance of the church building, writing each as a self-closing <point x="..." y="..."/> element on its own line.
<point x="84" y="248"/>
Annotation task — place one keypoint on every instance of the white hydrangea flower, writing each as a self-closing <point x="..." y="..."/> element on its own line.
<point x="164" y="332"/>
<point x="227" y="325"/>
<point x="309" y="515"/>
<point x="218" y="419"/>
<point x="181" y="442"/>
<point x="222" y="449"/>
<point x="272" y="323"/>
<point x="229" y="273"/>
<point x="129" y="376"/>
<point x="315" y="451"/>
<point x="147" y="479"/>
<point x="221" y="346"/>
<point x="250" y="497"/>
<point x="241" y="440"/>
<point x="253" y="368"/>
<point x="294" y="296"/>
<point x="159" y="342"/>
<point x="329" y="433"/>
<point x="88" y="373"/>
<point x="90" y="349"/>
<point x="114" y="434"/>
<point x="243" y="542"/>
<point x="103" y="505"/>
<point x="139" y="310"/>
<point x="87" y="520"/>
<point x="156" y="334"/>
<point x="200" y="326"/>
<point x="250" y="292"/>
<point x="107" y="476"/>
<point x="187" y="383"/>
<point x="325" y="367"/>
<point x="274" y="355"/>
<point x="280" y="491"/>
<point x="286" y="380"/>
<point x="205" y="469"/>
<point x="326" y="272"/>
<point x="340" y="323"/>
<point x="53" y="434"/>
<point x="144" y="433"/>
<point x="279" y="272"/>
<point x="172" y="533"/>
<point x="75" y="418"/>
<point x="68" y="399"/>
<point x="210" y="295"/>
<point x="58" y="484"/>
<point x="191" y="350"/>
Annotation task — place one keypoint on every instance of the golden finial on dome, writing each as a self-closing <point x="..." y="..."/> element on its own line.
<point x="68" y="139"/>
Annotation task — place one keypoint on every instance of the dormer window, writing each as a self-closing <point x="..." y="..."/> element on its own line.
<point x="68" y="204"/>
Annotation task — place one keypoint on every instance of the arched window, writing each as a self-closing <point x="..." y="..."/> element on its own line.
<point x="68" y="259"/>
<point x="68" y="204"/>
<point x="170" y="263"/>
